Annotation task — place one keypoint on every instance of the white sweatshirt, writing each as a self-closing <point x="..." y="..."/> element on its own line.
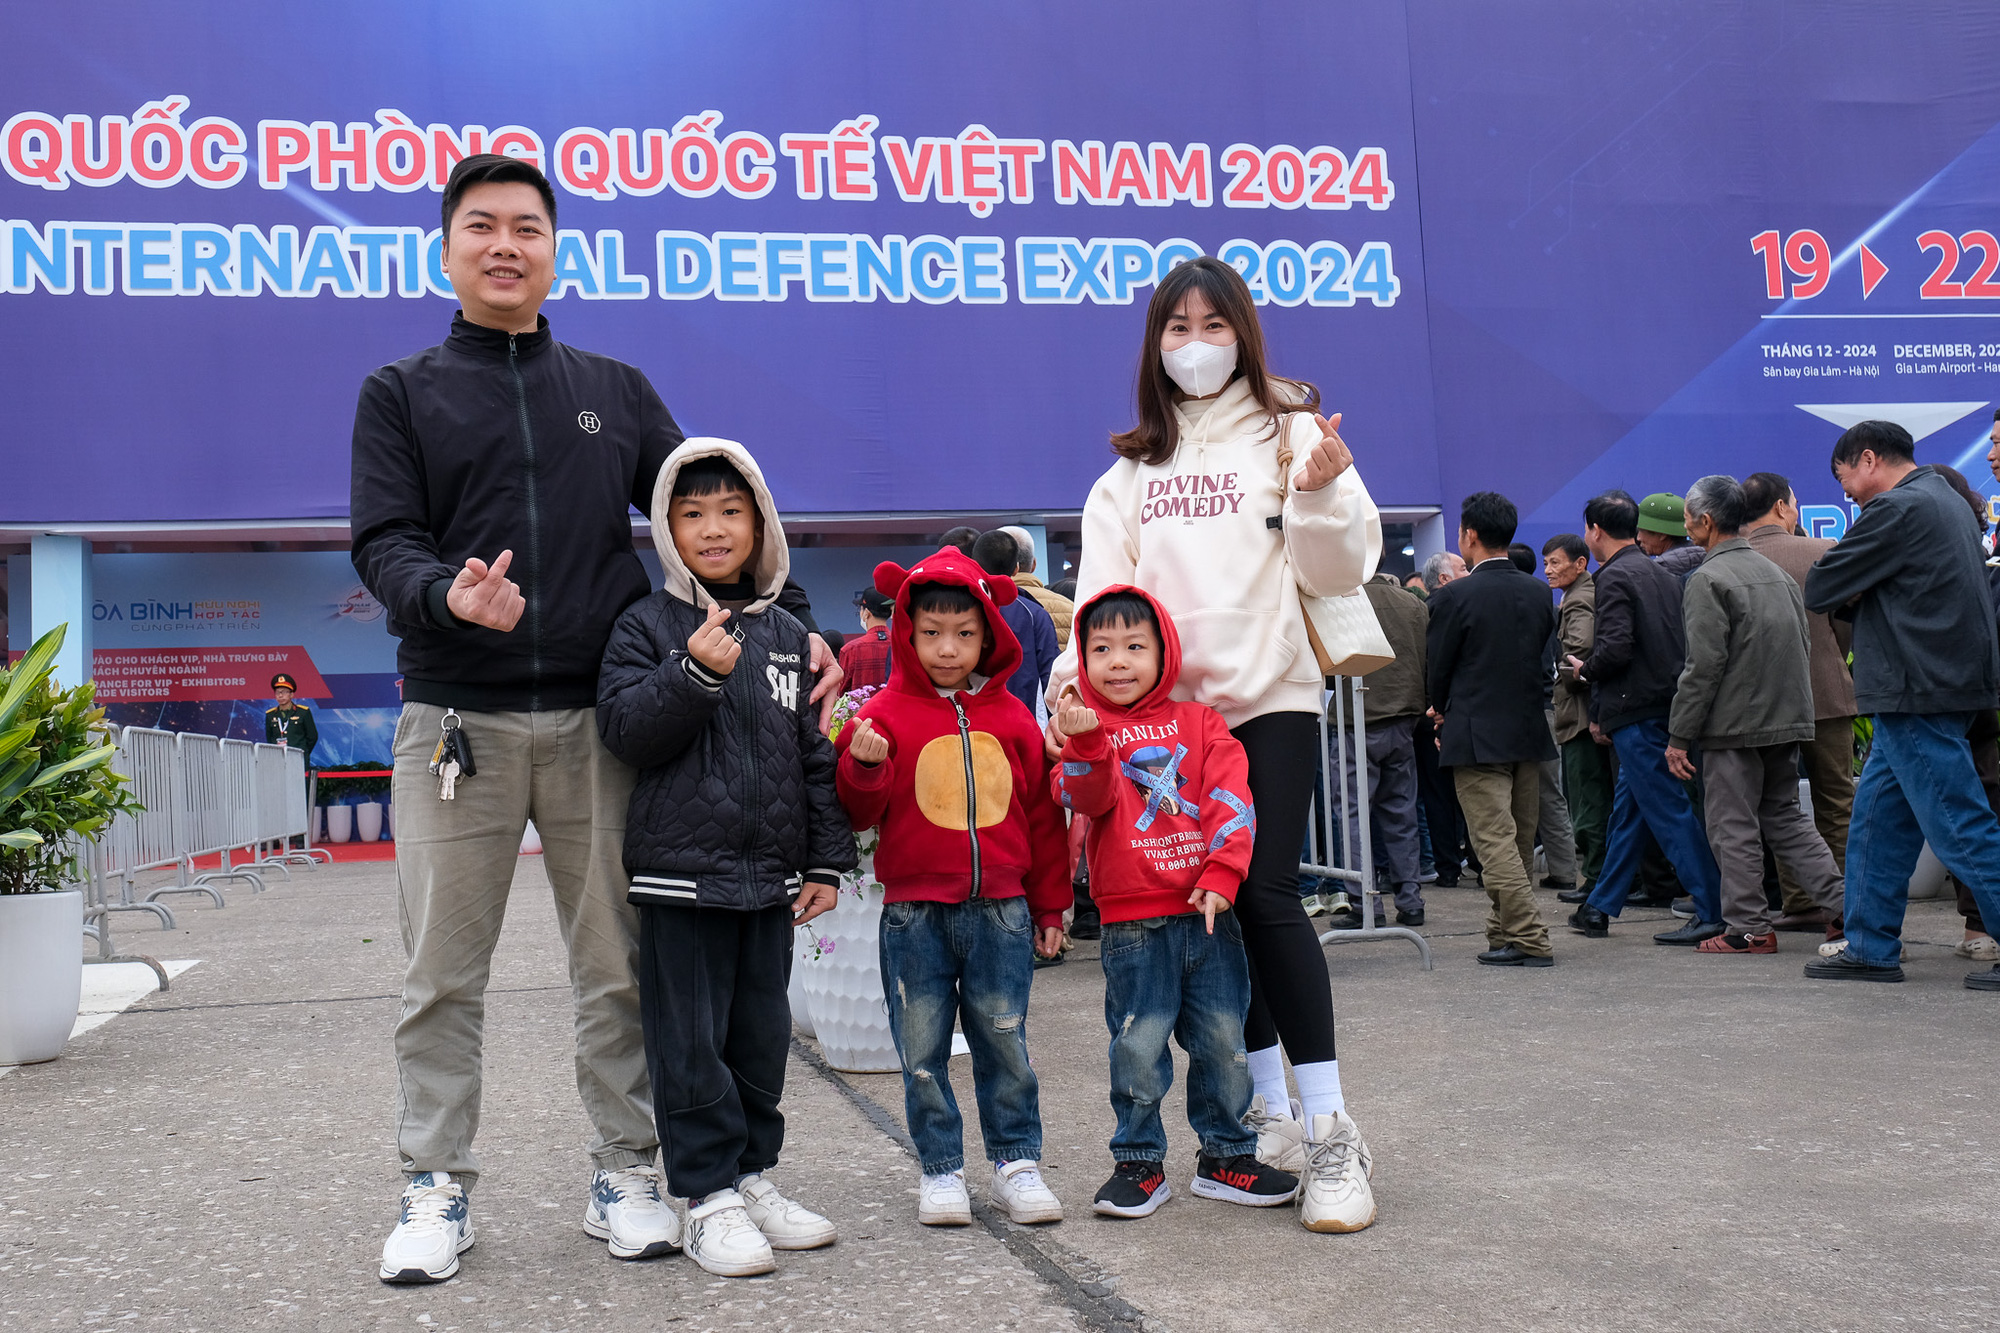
<point x="1194" y="531"/>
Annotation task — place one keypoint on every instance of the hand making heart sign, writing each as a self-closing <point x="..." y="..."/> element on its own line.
<point x="1328" y="459"/>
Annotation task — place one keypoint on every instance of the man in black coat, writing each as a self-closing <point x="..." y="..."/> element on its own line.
<point x="1637" y="650"/>
<point x="1485" y="644"/>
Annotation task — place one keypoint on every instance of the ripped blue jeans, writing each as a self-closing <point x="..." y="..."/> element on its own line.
<point x="971" y="961"/>
<point x="1168" y="977"/>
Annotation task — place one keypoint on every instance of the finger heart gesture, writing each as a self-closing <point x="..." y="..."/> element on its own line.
<point x="1327" y="460"/>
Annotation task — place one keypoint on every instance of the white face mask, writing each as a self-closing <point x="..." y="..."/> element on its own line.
<point x="1200" y="368"/>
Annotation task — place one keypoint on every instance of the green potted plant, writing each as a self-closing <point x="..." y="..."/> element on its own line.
<point x="57" y="790"/>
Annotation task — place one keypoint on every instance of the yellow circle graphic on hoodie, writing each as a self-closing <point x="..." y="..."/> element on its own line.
<point x="940" y="783"/>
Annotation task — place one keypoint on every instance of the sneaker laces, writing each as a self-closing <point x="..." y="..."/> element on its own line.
<point x="1136" y="1170"/>
<point x="635" y="1184"/>
<point x="425" y="1206"/>
<point x="730" y="1223"/>
<point x="1028" y="1177"/>
<point x="1330" y="1159"/>
<point x="1261" y="1120"/>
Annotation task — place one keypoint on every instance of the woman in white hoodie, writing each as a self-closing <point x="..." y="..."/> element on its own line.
<point x="1199" y="511"/>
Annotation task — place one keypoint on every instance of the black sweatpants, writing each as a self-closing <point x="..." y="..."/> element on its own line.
<point x="718" y="1027"/>
<point x="1291" y="999"/>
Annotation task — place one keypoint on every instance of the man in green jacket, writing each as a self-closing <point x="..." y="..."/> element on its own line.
<point x="1586" y="761"/>
<point x="1745" y="697"/>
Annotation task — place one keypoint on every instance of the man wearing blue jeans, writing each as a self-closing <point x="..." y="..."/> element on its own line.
<point x="1910" y="574"/>
<point x="1638" y="647"/>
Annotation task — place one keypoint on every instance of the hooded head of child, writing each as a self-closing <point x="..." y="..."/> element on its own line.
<point x="948" y="629"/>
<point x="1121" y="649"/>
<point x="714" y="519"/>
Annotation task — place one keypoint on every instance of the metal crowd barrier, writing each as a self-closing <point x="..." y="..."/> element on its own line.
<point x="203" y="796"/>
<point x="1339" y="748"/>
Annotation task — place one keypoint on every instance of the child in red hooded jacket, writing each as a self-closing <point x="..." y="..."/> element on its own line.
<point x="1167" y="790"/>
<point x="976" y="871"/>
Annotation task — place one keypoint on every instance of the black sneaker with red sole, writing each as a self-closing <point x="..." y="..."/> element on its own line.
<point x="1243" y="1180"/>
<point x="1136" y="1189"/>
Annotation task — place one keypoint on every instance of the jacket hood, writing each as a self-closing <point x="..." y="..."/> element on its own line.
<point x="952" y="566"/>
<point x="1232" y="414"/>
<point x="768" y="568"/>
<point x="1161" y="695"/>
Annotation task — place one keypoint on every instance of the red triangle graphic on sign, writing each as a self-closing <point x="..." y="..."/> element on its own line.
<point x="1872" y="270"/>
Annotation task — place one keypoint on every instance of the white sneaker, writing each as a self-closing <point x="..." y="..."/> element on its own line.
<point x="942" y="1201"/>
<point x="1281" y="1140"/>
<point x="1333" y="1190"/>
<point x="724" y="1241"/>
<point x="627" y="1210"/>
<point x="435" y="1227"/>
<point x="1019" y="1189"/>
<point x="1832" y="947"/>
<point x="787" y="1225"/>
<point x="1313" y="903"/>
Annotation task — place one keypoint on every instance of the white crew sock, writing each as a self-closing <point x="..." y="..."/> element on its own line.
<point x="1267" y="1072"/>
<point x="1319" y="1087"/>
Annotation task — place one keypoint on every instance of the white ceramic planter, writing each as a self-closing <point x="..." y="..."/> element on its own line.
<point x="339" y="823"/>
<point x="843" y="985"/>
<point x="368" y="821"/>
<point x="389" y="820"/>
<point x="41" y="973"/>
<point x="1927" y="881"/>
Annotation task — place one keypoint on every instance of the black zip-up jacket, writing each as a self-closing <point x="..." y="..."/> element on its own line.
<point x="493" y="441"/>
<point x="735" y="800"/>
<point x="1923" y="625"/>
<point x="1639" y="645"/>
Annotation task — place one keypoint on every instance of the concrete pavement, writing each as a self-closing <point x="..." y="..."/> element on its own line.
<point x="1636" y="1139"/>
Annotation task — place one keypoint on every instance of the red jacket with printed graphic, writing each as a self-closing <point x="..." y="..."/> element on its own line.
<point x="963" y="798"/>
<point x="1167" y="789"/>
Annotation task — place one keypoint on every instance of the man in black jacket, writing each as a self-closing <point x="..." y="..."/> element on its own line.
<point x="1637" y="651"/>
<point x="492" y="479"/>
<point x="1484" y="650"/>
<point x="1910" y="575"/>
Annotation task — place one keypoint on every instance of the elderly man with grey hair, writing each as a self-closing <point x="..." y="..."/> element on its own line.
<point x="1745" y="698"/>
<point x="1059" y="607"/>
<point x="1441" y="569"/>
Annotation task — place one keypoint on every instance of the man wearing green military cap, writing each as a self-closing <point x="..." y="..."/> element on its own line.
<point x="290" y="723"/>
<point x="1663" y="535"/>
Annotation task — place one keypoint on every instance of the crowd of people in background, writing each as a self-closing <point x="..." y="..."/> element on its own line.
<point x="1725" y="716"/>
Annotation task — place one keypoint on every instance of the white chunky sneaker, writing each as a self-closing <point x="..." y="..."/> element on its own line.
<point x="434" y="1228"/>
<point x="1333" y="1190"/>
<point x="724" y="1241"/>
<point x="1019" y="1189"/>
<point x="942" y="1201"/>
<point x="627" y="1210"/>
<point x="786" y="1224"/>
<point x="1281" y="1140"/>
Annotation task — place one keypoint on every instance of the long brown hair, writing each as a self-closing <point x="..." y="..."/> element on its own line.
<point x="1156" y="436"/>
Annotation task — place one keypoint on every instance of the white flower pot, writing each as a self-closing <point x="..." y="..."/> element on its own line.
<point x="843" y="985"/>
<point x="41" y="973"/>
<point x="531" y="840"/>
<point x="389" y="820"/>
<point x="339" y="823"/>
<point x="368" y="821"/>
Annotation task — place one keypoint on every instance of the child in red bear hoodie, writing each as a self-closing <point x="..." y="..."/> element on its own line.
<point x="1167" y="791"/>
<point x="976" y="869"/>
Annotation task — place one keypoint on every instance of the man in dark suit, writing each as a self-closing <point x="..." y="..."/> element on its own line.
<point x="1487" y="631"/>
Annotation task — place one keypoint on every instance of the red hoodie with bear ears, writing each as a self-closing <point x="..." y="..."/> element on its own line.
<point x="963" y="798"/>
<point x="1167" y="789"/>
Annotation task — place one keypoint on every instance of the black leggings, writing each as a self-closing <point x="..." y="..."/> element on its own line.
<point x="1291" y="999"/>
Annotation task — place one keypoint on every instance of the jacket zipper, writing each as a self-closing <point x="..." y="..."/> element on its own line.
<point x="531" y="585"/>
<point x="971" y="789"/>
<point x="753" y="804"/>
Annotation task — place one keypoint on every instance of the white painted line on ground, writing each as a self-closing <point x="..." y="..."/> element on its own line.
<point x="109" y="989"/>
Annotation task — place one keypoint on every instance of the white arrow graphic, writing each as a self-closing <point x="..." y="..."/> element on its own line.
<point x="1920" y="419"/>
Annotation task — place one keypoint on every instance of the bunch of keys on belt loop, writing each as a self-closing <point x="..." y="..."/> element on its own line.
<point x="452" y="759"/>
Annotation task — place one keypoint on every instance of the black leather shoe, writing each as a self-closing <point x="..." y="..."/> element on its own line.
<point x="1346" y="919"/>
<point x="1694" y="932"/>
<point x="1573" y="896"/>
<point x="1447" y="879"/>
<point x="1844" y="966"/>
<point x="1509" y="955"/>
<point x="1557" y="882"/>
<point x="1590" y="923"/>
<point x="1086" y="927"/>
<point x="1416" y="918"/>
